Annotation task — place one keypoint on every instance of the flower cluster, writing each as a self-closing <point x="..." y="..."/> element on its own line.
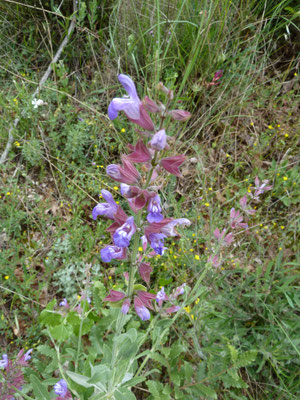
<point x="12" y="375"/>
<point x="137" y="174"/>
<point x="226" y="238"/>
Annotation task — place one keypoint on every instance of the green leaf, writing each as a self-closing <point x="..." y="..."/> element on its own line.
<point x="100" y="374"/>
<point x="138" y="286"/>
<point x="154" y="388"/>
<point x="39" y="389"/>
<point x="61" y="332"/>
<point x="134" y="381"/>
<point x="50" y="318"/>
<point x="246" y="358"/>
<point x="123" y="393"/>
<point x="80" y="379"/>
<point x="157" y="357"/>
<point x="233" y="352"/>
<point x="208" y="392"/>
<point x="87" y="325"/>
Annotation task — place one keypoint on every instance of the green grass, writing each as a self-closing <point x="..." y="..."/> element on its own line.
<point x="245" y="127"/>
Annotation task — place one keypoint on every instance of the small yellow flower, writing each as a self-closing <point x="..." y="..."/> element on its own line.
<point x="8" y="194"/>
<point x="6" y="277"/>
<point x="109" y="277"/>
<point x="78" y="297"/>
<point x="95" y="146"/>
<point x="197" y="300"/>
<point x="98" y="166"/>
<point x="116" y="188"/>
<point x="255" y="144"/>
<point x="286" y="135"/>
<point x="227" y="155"/>
<point x="282" y="227"/>
<point x="101" y="166"/>
<point x="249" y="190"/>
<point x="270" y="127"/>
<point x="175" y="257"/>
<point x="280" y="248"/>
<point x="278" y="126"/>
<point x="123" y="130"/>
<point x="191" y="250"/>
<point x="295" y="74"/>
<point x="210" y="188"/>
<point x="285" y="178"/>
<point x="197" y="257"/>
<point x="251" y="123"/>
<point x="192" y="235"/>
<point x="117" y="202"/>
<point x="206" y="204"/>
<point x="140" y="249"/>
<point x="187" y="309"/>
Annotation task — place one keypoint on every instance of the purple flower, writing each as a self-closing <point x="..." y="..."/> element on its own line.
<point x="4" y="361"/>
<point x="140" y="309"/>
<point x="154" y="210"/>
<point x="126" y="173"/>
<point x="114" y="296"/>
<point x="178" y="291"/>
<point x="243" y="204"/>
<point x="260" y="188"/>
<point x="105" y="209"/>
<point x="64" y="303"/>
<point x="123" y="234"/>
<point x="214" y="260"/>
<point x="172" y="309"/>
<point x="145" y="270"/>
<point x="169" y="228"/>
<point x="161" y="296"/>
<point x="236" y="220"/>
<point x="61" y="389"/>
<point x="110" y="252"/>
<point x="180" y="115"/>
<point x="172" y="164"/>
<point x="157" y="242"/>
<point x="220" y="236"/>
<point x="27" y="355"/>
<point x="125" y="190"/>
<point x="131" y="105"/>
<point x="125" y="306"/>
<point x="113" y="170"/>
<point x="159" y="140"/>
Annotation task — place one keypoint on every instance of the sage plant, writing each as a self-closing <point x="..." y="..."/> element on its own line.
<point x="142" y="234"/>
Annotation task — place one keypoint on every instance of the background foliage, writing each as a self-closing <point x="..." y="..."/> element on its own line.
<point x="239" y="340"/>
